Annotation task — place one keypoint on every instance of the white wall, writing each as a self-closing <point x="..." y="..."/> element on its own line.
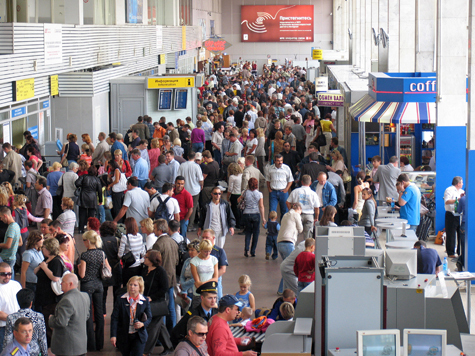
<point x="231" y="31"/>
<point x="205" y="10"/>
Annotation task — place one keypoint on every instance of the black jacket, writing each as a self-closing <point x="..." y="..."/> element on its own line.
<point x="313" y="169"/>
<point x="91" y="188"/>
<point x="291" y="159"/>
<point x="178" y="333"/>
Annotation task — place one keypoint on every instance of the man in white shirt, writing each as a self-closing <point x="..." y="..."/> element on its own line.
<point x="234" y="151"/>
<point x="8" y="302"/>
<point x="452" y="222"/>
<point x="172" y="162"/>
<point x="136" y="202"/>
<point x="193" y="181"/>
<point x="310" y="205"/>
<point x="279" y="179"/>
<point x="102" y="147"/>
<point x="251" y="113"/>
<point x="171" y="203"/>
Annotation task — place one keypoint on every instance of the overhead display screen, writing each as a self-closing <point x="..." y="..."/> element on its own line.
<point x="277" y="23"/>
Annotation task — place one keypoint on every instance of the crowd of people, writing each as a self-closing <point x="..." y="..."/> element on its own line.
<point x="134" y="198"/>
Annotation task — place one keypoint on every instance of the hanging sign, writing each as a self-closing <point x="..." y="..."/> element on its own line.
<point x="317" y="54"/>
<point x="216" y="45"/>
<point x="23" y="89"/>
<point x="170" y="82"/>
<point x="321" y="84"/>
<point x="54" y="85"/>
<point x="330" y="100"/>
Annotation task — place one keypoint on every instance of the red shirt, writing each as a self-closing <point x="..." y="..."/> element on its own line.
<point x="185" y="201"/>
<point x="220" y="339"/>
<point x="304" y="266"/>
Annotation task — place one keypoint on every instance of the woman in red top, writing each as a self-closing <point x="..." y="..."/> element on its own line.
<point x="123" y="165"/>
<point x="153" y="154"/>
<point x="83" y="167"/>
<point x="37" y="162"/>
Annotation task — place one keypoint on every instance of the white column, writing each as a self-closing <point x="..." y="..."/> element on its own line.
<point x="369" y="37"/>
<point x="393" y="32"/>
<point x="73" y="12"/>
<point x="362" y="33"/>
<point x="426" y="19"/>
<point x="357" y="32"/>
<point x="337" y="25"/>
<point x="382" y="23"/>
<point x="407" y="39"/>
<point x="375" y="26"/>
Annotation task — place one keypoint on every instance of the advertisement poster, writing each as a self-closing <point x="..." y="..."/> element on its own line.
<point x="134" y="11"/>
<point x="53" y="42"/>
<point x="277" y="23"/>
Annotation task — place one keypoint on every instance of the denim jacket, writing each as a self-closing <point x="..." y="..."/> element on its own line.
<point x="328" y="193"/>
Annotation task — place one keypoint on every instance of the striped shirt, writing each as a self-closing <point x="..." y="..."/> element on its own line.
<point x="137" y="246"/>
<point x="279" y="177"/>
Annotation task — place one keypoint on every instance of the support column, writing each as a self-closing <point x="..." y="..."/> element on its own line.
<point x="426" y="20"/>
<point x="73" y="12"/>
<point x="393" y="32"/>
<point x="357" y="33"/>
<point x="375" y="26"/>
<point x="407" y="40"/>
<point x="450" y="133"/>
<point x="369" y="37"/>
<point x="382" y="23"/>
<point x="470" y="178"/>
<point x="362" y="34"/>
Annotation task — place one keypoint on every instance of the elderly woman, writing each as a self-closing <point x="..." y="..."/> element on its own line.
<point x="31" y="259"/>
<point x="89" y="270"/>
<point x="130" y="335"/>
<point x="91" y="190"/>
<point x="234" y="190"/>
<point x="156" y="288"/>
<point x="67" y="217"/>
<point x="52" y="181"/>
<point x="167" y="146"/>
<point x="51" y="269"/>
<point x="68" y="180"/>
<point x="253" y="211"/>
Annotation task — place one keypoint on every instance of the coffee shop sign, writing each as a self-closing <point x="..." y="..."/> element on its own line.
<point x="330" y="100"/>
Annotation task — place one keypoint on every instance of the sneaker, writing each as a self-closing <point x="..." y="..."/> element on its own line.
<point x="267" y="256"/>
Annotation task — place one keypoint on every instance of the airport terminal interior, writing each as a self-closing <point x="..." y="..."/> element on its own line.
<point x="392" y="83"/>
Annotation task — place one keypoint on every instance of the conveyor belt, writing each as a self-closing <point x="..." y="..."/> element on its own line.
<point x="239" y="331"/>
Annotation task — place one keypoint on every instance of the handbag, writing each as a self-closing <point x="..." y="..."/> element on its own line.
<point x="77" y="192"/>
<point x="65" y="162"/>
<point x="321" y="140"/>
<point x="56" y="286"/>
<point x="346" y="176"/>
<point x="242" y="203"/>
<point x="60" y="189"/>
<point x="158" y="308"/>
<point x="106" y="272"/>
<point x="128" y="259"/>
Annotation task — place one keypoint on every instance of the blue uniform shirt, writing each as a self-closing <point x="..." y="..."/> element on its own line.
<point x="141" y="169"/>
<point x="411" y="211"/>
<point x="13" y="348"/>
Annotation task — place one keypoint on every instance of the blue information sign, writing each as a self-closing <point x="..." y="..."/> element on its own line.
<point x="34" y="131"/>
<point x="19" y="111"/>
<point x="46" y="104"/>
<point x="165" y="99"/>
<point x="181" y="98"/>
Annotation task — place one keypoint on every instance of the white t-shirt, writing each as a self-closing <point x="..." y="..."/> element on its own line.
<point x="8" y="302"/>
<point x="172" y="205"/>
<point x="249" y="145"/>
<point x="319" y="190"/>
<point x="307" y="198"/>
<point x="205" y="268"/>
<point x="215" y="219"/>
<point x="150" y="241"/>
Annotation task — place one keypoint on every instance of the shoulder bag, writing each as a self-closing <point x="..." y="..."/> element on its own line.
<point x="65" y="162"/>
<point x="128" y="259"/>
<point x="158" y="308"/>
<point x="106" y="273"/>
<point x="60" y="189"/>
<point x="242" y="203"/>
<point x="56" y="286"/>
<point x="346" y="176"/>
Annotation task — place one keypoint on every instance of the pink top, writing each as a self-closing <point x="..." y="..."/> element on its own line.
<point x="67" y="262"/>
<point x="197" y="136"/>
<point x="153" y="155"/>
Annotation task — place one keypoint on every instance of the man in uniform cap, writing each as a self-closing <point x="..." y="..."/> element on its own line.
<point x="206" y="310"/>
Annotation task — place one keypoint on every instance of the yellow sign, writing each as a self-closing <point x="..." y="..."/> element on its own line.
<point x="170" y="82"/>
<point x="24" y="89"/>
<point x="54" y="85"/>
<point x="183" y="37"/>
<point x="317" y="54"/>
<point x="163" y="59"/>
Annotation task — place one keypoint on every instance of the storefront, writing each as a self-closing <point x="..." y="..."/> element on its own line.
<point x="402" y="107"/>
<point x="33" y="115"/>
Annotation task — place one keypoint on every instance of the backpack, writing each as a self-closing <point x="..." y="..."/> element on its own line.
<point x="162" y="209"/>
<point x="183" y="255"/>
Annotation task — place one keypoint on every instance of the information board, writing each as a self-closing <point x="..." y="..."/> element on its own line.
<point x="54" y="85"/>
<point x="170" y="82"/>
<point x="23" y="89"/>
<point x="317" y="54"/>
<point x="181" y="98"/>
<point x="165" y="97"/>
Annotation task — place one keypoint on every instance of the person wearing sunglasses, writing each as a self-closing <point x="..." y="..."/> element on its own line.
<point x="217" y="215"/>
<point x="194" y="344"/>
<point x="8" y="290"/>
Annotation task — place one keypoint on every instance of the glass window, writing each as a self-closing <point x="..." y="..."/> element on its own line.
<point x="18" y="127"/>
<point x="32" y="107"/>
<point x="4" y="115"/>
<point x="156" y="12"/>
<point x="185" y="12"/>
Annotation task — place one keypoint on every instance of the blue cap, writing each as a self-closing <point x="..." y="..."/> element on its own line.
<point x="229" y="300"/>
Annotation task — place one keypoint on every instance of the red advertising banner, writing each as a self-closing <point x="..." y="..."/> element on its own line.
<point x="277" y="23"/>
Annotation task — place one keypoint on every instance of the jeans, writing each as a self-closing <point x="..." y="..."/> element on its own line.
<point x="197" y="147"/>
<point x="220" y="287"/>
<point x="101" y="213"/>
<point x="278" y="197"/>
<point x="217" y="156"/>
<point x="252" y="229"/>
<point x="84" y="214"/>
<point x="184" y="227"/>
<point x="301" y="285"/>
<point x="95" y="337"/>
<point x="171" y="320"/>
<point x="2" y="337"/>
<point x="142" y="183"/>
<point x="285" y="249"/>
<point x="271" y="244"/>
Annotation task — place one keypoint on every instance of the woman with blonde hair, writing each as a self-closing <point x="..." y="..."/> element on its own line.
<point x="204" y="268"/>
<point x="260" y="150"/>
<point x="9" y="190"/>
<point x="124" y="165"/>
<point x="234" y="190"/>
<point x="147" y="228"/>
<point x="177" y="149"/>
<point x="20" y="214"/>
<point x="89" y="270"/>
<point x="52" y="183"/>
<point x="153" y="154"/>
<point x="338" y="164"/>
<point x="87" y="140"/>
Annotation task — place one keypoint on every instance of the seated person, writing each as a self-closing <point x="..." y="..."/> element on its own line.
<point x="287" y="296"/>
<point x="428" y="260"/>
<point x="287" y="311"/>
<point x="245" y="316"/>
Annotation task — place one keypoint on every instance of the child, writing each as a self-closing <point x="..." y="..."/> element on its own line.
<point x="287" y="296"/>
<point x="244" y="295"/>
<point x="273" y="228"/>
<point x="287" y="311"/>
<point x="304" y="265"/>
<point x="246" y="314"/>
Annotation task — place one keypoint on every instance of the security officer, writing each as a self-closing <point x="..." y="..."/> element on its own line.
<point x="22" y="334"/>
<point x="206" y="310"/>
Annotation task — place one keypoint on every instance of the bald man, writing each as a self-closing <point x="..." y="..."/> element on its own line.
<point x="69" y="319"/>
